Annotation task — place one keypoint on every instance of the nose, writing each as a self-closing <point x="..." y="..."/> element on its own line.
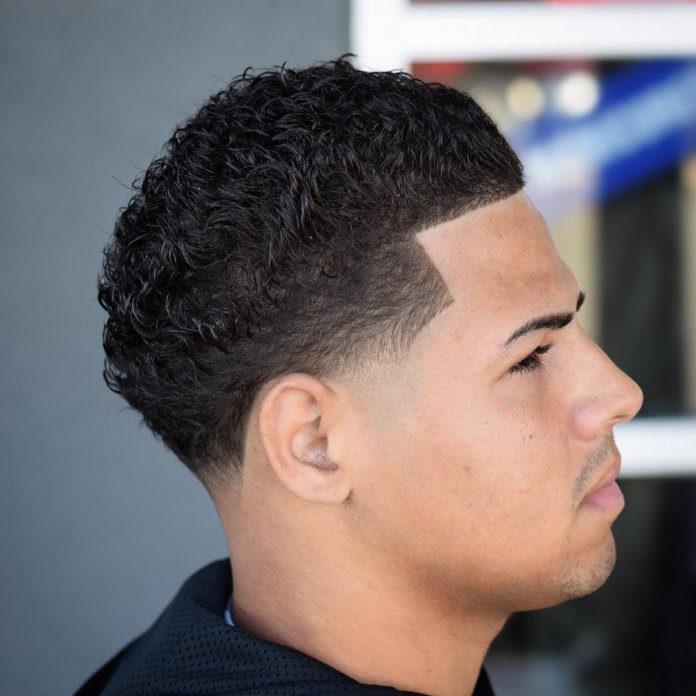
<point x="608" y="395"/>
<point x="630" y="396"/>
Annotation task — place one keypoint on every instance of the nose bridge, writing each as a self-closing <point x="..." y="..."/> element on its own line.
<point x="619" y="394"/>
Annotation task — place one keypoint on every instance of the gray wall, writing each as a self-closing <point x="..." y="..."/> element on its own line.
<point x="99" y="523"/>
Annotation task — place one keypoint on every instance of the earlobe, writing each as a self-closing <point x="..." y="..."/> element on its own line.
<point x="296" y="430"/>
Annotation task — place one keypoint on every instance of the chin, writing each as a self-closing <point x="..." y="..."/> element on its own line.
<point x="579" y="578"/>
<point x="583" y="579"/>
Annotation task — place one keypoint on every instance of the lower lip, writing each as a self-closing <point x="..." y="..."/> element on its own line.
<point x="608" y="497"/>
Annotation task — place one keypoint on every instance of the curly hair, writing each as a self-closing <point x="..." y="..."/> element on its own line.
<point x="276" y="233"/>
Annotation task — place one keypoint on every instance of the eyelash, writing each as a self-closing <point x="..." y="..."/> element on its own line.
<point x="532" y="362"/>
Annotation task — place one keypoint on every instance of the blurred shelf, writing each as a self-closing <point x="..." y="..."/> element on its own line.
<point x="654" y="447"/>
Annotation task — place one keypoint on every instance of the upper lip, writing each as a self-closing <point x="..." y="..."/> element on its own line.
<point x="608" y="477"/>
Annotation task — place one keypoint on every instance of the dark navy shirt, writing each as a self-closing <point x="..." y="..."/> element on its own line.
<point x="191" y="650"/>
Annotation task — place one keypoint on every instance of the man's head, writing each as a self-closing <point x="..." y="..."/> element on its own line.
<point x="332" y="284"/>
<point x="276" y="234"/>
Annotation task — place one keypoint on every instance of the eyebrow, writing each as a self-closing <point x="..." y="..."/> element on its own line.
<point x="548" y="321"/>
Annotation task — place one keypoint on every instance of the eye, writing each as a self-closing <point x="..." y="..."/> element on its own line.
<point x="533" y="361"/>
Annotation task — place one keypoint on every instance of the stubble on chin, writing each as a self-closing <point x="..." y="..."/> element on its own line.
<point x="581" y="580"/>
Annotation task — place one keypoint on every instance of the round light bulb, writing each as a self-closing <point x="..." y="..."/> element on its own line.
<point x="577" y="94"/>
<point x="525" y="98"/>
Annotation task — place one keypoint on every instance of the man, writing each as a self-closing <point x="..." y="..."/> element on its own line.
<point x="332" y="300"/>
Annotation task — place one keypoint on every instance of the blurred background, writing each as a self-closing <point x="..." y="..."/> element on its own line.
<point x="100" y="524"/>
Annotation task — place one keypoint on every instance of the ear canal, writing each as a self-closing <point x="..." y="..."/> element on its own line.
<point x="320" y="460"/>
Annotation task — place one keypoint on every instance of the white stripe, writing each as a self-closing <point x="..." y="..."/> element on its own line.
<point x="657" y="447"/>
<point x="389" y="34"/>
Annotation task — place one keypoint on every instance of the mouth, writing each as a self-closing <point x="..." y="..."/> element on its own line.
<point x="606" y="494"/>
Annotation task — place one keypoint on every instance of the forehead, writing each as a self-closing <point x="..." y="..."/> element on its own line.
<point x="499" y="259"/>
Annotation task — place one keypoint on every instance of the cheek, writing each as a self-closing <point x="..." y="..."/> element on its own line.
<point x="504" y="472"/>
<point x="458" y="464"/>
<point x="471" y="499"/>
<point x="503" y="439"/>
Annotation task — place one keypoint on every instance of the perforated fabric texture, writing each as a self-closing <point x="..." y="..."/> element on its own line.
<point x="191" y="650"/>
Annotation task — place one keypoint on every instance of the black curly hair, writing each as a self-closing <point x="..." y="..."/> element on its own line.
<point x="276" y="234"/>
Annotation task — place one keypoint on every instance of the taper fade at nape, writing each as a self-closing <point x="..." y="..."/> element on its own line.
<point x="276" y="234"/>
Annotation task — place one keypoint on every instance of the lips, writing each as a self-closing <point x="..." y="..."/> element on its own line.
<point x="606" y="494"/>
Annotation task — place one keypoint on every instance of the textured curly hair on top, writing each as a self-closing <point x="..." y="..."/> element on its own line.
<point x="276" y="234"/>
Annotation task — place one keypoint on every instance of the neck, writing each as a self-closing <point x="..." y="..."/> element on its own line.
<point x="295" y="587"/>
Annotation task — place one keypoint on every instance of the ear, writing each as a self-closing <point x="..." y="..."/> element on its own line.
<point x="298" y="428"/>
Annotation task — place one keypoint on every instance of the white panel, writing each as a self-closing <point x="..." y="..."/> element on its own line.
<point x="376" y="28"/>
<point x="657" y="447"/>
<point x="389" y="34"/>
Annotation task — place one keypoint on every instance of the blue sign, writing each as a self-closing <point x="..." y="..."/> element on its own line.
<point x="643" y="123"/>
